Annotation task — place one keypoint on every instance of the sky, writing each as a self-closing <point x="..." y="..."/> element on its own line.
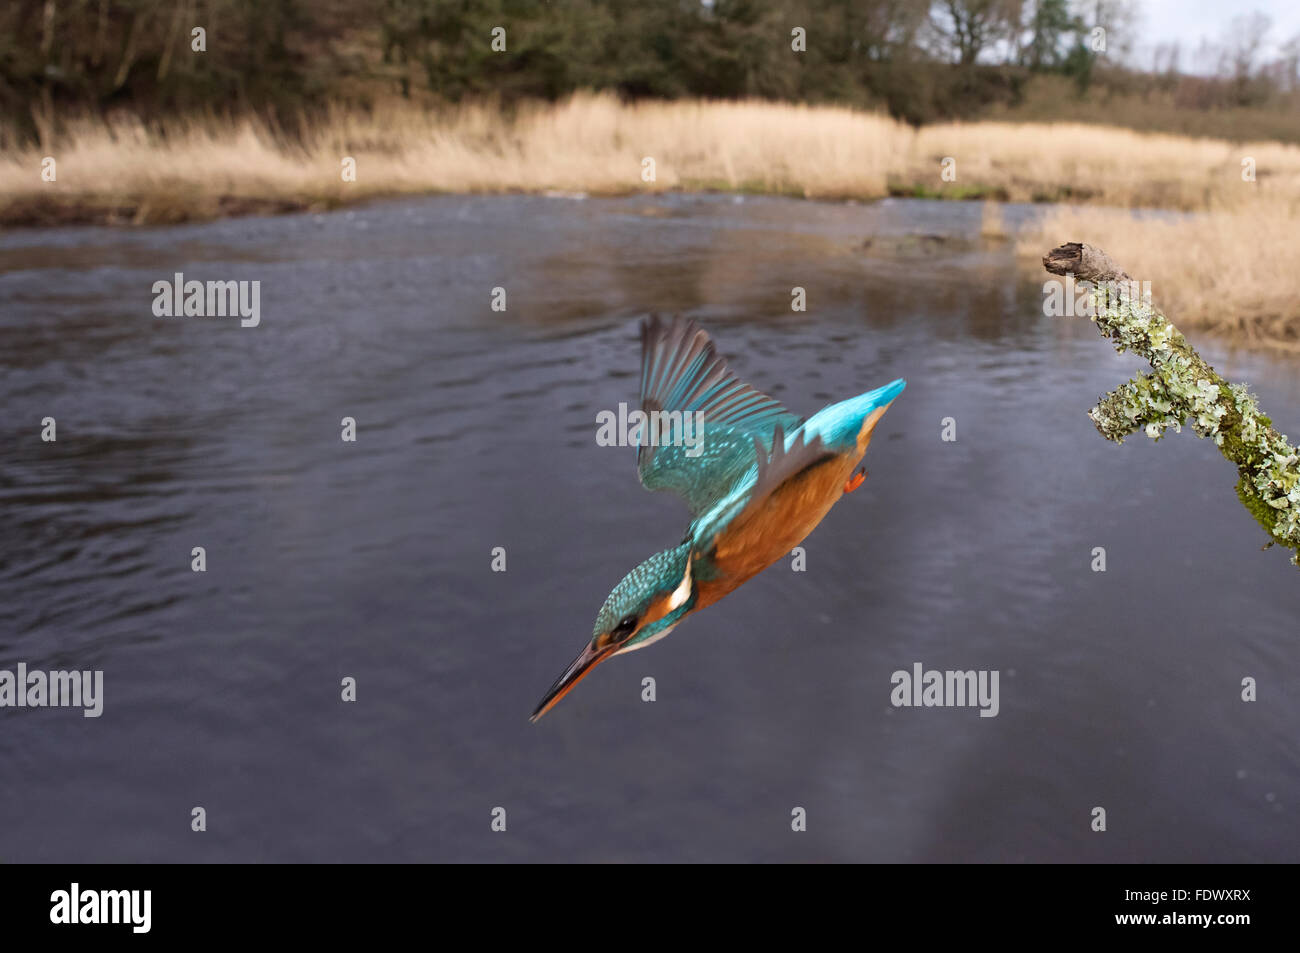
<point x="1187" y="21"/>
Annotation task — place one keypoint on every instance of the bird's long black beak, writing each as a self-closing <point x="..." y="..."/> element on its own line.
<point x="587" y="659"/>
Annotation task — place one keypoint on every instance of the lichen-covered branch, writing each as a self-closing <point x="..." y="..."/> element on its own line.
<point x="1184" y="389"/>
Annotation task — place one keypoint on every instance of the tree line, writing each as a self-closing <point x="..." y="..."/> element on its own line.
<point x="920" y="59"/>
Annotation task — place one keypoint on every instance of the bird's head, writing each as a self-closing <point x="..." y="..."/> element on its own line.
<point x="643" y="608"/>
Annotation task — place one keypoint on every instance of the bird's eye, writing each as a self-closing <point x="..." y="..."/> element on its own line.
<point x="625" y="626"/>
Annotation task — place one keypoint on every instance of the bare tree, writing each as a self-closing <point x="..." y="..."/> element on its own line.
<point x="1289" y="64"/>
<point x="1245" y="40"/>
<point x="968" y="27"/>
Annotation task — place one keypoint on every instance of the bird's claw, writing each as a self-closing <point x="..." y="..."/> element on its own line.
<point x="855" y="481"/>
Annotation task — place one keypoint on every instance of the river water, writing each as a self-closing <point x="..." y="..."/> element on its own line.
<point x="373" y="560"/>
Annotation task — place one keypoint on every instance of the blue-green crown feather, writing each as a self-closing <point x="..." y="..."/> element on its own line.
<point x="662" y="572"/>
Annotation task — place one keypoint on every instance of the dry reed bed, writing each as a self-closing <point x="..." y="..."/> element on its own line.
<point x="1235" y="273"/>
<point x="595" y="144"/>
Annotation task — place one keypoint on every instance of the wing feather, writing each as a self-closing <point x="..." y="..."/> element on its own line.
<point x="681" y="371"/>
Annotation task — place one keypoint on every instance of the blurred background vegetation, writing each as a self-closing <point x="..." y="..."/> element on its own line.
<point x="919" y="60"/>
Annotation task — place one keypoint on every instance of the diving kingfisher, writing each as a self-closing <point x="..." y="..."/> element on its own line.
<point x="757" y="481"/>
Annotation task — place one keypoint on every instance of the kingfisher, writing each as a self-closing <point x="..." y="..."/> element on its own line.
<point x="757" y="481"/>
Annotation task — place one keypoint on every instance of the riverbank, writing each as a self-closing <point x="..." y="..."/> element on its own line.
<point x="122" y="169"/>
<point x="1224" y="269"/>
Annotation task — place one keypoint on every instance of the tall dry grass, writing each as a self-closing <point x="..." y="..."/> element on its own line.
<point x="199" y="167"/>
<point x="1234" y="273"/>
<point x="1106" y="165"/>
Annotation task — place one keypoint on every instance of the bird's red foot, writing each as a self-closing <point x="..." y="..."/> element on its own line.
<point x="855" y="481"/>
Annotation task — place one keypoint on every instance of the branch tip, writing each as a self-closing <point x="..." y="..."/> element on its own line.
<point x="1084" y="262"/>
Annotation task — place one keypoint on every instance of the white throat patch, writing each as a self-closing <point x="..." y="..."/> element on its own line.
<point x="683" y="591"/>
<point x="650" y="641"/>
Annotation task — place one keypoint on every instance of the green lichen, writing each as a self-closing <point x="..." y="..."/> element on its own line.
<point x="1183" y="389"/>
<point x="1264" y="514"/>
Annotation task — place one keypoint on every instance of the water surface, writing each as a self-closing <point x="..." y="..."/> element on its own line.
<point x="476" y="430"/>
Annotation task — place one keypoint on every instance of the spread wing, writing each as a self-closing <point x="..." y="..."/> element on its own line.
<point x="684" y="381"/>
